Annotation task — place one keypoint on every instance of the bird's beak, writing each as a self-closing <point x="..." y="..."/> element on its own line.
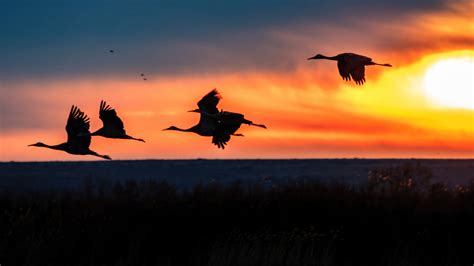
<point x="314" y="57"/>
<point x="30" y="145"/>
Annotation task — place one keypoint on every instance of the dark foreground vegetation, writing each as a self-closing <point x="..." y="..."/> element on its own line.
<point x="397" y="218"/>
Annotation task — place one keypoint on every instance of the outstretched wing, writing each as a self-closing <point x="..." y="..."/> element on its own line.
<point x="209" y="102"/>
<point x="109" y="117"/>
<point x="358" y="75"/>
<point x="220" y="136"/>
<point x="228" y="124"/>
<point x="231" y="121"/>
<point x="77" y="128"/>
<point x="343" y="68"/>
<point x="349" y="63"/>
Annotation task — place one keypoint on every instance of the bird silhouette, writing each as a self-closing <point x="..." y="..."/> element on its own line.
<point x="112" y="124"/>
<point x="220" y="125"/>
<point x="77" y="124"/>
<point x="351" y="65"/>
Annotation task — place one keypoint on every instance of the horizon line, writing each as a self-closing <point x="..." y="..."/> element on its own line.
<point x="247" y="159"/>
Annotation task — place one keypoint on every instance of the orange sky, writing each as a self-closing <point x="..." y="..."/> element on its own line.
<point x="309" y="110"/>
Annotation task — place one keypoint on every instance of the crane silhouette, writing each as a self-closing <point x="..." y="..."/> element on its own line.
<point x="220" y="125"/>
<point x="351" y="65"/>
<point x="77" y="124"/>
<point x="112" y="124"/>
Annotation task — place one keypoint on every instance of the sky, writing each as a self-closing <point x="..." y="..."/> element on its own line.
<point x="54" y="54"/>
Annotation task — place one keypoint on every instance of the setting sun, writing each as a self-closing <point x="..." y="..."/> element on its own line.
<point x="449" y="82"/>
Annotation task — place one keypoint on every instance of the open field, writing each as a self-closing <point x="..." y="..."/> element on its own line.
<point x="184" y="174"/>
<point x="398" y="216"/>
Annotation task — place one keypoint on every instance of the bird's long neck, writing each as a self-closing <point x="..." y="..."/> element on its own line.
<point x="62" y="146"/>
<point x="194" y="129"/>
<point x="191" y="129"/>
<point x="95" y="133"/>
<point x="329" y="57"/>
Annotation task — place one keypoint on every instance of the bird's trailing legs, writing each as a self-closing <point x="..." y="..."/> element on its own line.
<point x="377" y="64"/>
<point x="250" y="123"/>
<point x="100" y="155"/>
<point x="130" y="137"/>
<point x="259" y="125"/>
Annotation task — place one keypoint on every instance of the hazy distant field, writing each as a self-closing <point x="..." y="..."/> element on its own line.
<point x="16" y="176"/>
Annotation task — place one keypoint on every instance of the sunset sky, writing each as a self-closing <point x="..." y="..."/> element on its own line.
<point x="54" y="54"/>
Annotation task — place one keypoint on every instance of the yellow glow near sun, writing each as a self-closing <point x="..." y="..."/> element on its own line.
<point x="450" y="82"/>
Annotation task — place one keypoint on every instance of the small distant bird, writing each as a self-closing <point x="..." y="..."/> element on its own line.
<point x="111" y="51"/>
<point x="351" y="65"/>
<point x="77" y="124"/>
<point x="220" y="125"/>
<point x="142" y="74"/>
<point x="112" y="124"/>
<point x="145" y="79"/>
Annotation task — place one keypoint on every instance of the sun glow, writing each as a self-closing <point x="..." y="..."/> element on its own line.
<point x="450" y="82"/>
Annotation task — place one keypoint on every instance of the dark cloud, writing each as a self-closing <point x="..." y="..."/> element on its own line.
<point x="61" y="38"/>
